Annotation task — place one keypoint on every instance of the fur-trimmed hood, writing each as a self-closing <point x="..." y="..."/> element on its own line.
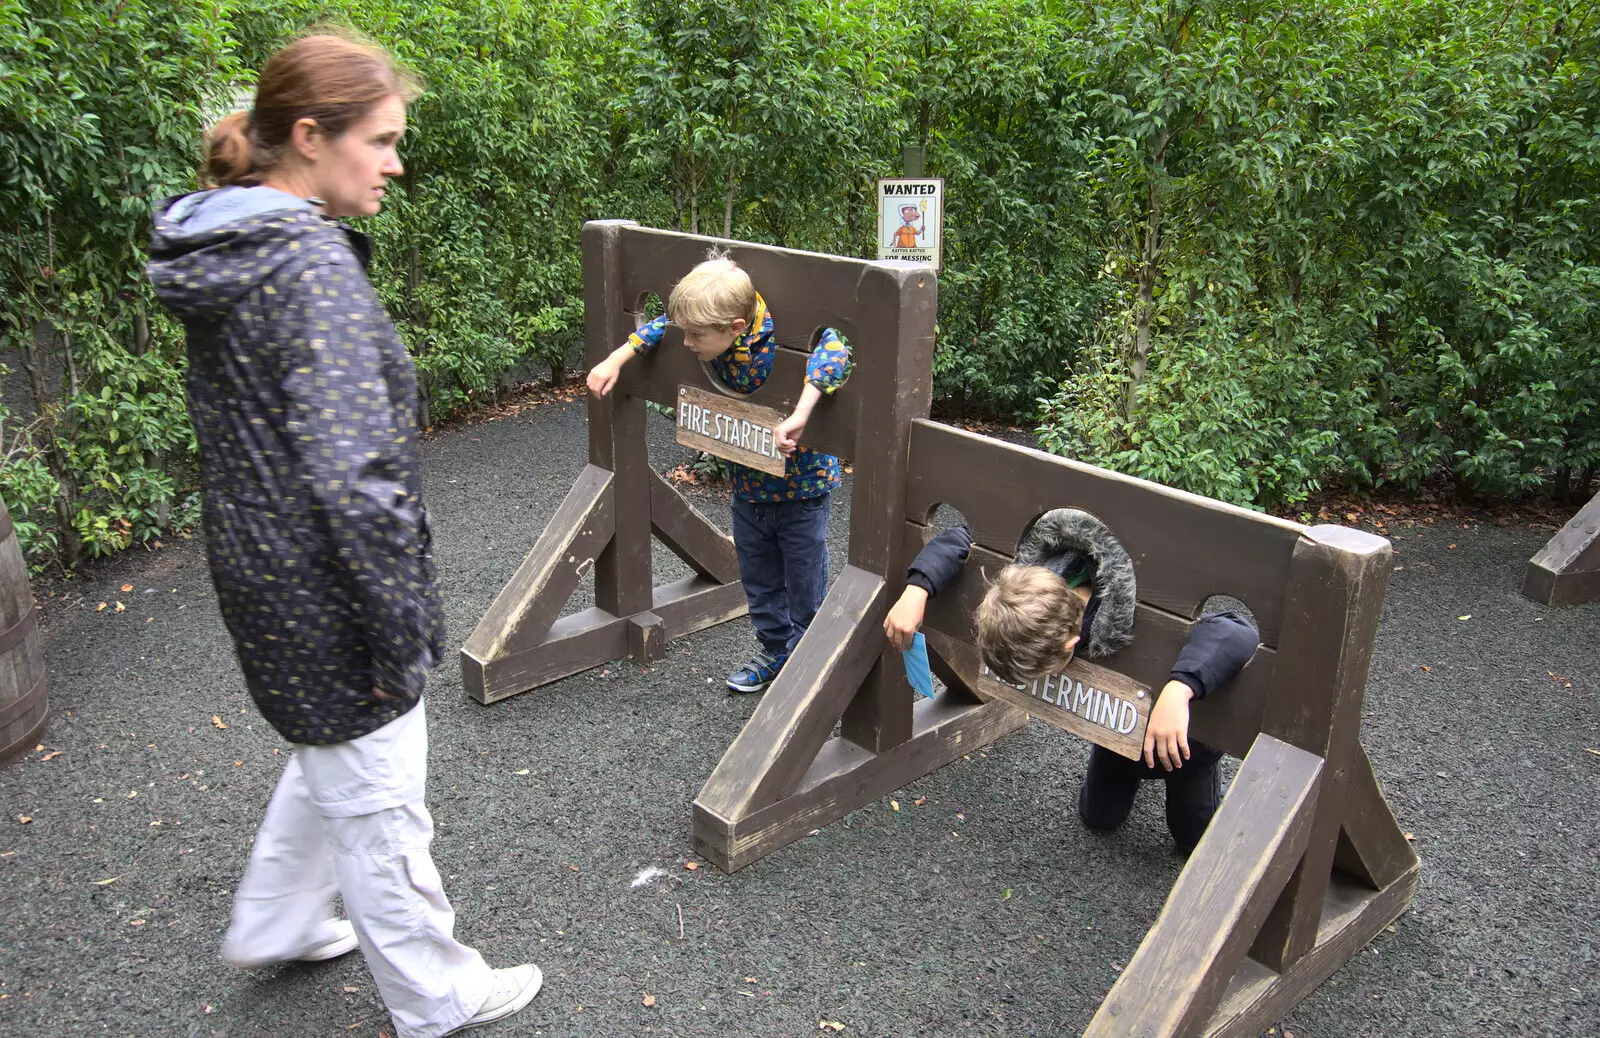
<point x="1062" y="532"/>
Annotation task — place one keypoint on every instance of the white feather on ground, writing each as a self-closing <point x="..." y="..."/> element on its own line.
<point x="648" y="875"/>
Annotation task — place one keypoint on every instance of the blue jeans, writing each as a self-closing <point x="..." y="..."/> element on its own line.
<point x="783" y="561"/>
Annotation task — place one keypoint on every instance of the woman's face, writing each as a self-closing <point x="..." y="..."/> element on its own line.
<point x="352" y="168"/>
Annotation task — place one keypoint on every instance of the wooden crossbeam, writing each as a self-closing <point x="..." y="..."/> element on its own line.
<point x="1225" y="891"/>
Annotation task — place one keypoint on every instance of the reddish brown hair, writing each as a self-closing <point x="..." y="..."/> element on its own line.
<point x="334" y="79"/>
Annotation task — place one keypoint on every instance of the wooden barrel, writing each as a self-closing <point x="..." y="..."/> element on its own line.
<point x="22" y="704"/>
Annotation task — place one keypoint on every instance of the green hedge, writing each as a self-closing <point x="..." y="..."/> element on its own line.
<point x="1243" y="248"/>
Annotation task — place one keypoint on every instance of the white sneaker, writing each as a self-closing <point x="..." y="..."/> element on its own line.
<point x="514" y="987"/>
<point x="342" y="944"/>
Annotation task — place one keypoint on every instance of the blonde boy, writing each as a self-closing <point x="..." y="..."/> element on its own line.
<point x="780" y="523"/>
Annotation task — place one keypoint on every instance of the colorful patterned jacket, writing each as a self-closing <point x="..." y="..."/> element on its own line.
<point x="744" y="368"/>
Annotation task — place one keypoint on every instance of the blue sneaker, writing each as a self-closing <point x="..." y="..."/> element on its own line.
<point x="757" y="673"/>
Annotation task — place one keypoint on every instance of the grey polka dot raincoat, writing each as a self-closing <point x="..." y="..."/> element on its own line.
<point x="305" y="405"/>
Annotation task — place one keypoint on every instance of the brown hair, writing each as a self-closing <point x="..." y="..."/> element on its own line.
<point x="1024" y="622"/>
<point x="331" y="77"/>
<point x="714" y="294"/>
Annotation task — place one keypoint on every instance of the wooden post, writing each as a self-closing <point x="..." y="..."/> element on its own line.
<point x="1337" y="582"/>
<point x="1566" y="571"/>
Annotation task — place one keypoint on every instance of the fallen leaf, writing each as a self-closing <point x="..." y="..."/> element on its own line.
<point x="522" y="771"/>
<point x="100" y="608"/>
<point x="649" y="1000"/>
<point x="1592" y="750"/>
<point x="691" y="865"/>
<point x="920" y="801"/>
<point x="106" y="882"/>
<point x="121" y="608"/>
<point x="894" y="805"/>
<point x="127" y="587"/>
<point x="51" y="755"/>
<point x="217" y="722"/>
<point x="1427" y="670"/>
<point x="135" y="922"/>
<point x="238" y="763"/>
<point x="829" y="1025"/>
<point x="24" y="819"/>
<point x="132" y="793"/>
<point x="350" y="989"/>
<point x="1410" y="836"/>
<point x="207" y="1009"/>
<point x="750" y="980"/>
<point x="1005" y="895"/>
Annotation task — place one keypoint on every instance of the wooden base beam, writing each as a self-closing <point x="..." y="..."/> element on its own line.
<point x="845" y="777"/>
<point x="1566" y="571"/>
<point x="592" y="637"/>
<point x="1352" y="916"/>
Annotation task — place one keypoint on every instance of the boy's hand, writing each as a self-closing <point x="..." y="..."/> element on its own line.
<point x="603" y="376"/>
<point x="1167" y="735"/>
<point x="905" y="618"/>
<point x="787" y="433"/>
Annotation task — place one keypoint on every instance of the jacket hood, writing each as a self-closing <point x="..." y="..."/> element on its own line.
<point x="1063" y="530"/>
<point x="210" y="249"/>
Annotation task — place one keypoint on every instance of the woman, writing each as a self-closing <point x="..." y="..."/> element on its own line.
<point x="305" y="406"/>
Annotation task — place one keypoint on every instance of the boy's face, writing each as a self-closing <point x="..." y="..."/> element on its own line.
<point x="709" y="343"/>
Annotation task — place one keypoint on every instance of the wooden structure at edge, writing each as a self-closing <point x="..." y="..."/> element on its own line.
<point x="1303" y="863"/>
<point x="1566" y="571"/>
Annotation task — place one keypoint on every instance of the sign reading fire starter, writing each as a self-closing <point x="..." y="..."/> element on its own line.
<point x="730" y="429"/>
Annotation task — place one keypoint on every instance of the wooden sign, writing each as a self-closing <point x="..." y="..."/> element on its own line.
<point x="1101" y="705"/>
<point x="730" y="429"/>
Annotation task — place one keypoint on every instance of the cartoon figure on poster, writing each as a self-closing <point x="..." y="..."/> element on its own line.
<point x="905" y="236"/>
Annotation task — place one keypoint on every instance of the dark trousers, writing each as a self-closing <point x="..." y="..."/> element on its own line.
<point x="1193" y="791"/>
<point x="783" y="561"/>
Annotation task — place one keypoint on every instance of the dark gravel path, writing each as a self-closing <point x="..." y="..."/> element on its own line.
<point x="986" y="910"/>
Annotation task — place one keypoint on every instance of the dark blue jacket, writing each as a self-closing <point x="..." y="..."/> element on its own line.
<point x="1219" y="644"/>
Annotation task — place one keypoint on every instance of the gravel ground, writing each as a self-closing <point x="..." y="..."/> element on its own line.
<point x="980" y="907"/>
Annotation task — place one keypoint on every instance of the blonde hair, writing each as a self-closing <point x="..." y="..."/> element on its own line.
<point x="714" y="294"/>
<point x="1024" y="622"/>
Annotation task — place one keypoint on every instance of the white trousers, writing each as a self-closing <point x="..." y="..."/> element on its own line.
<point x="349" y="819"/>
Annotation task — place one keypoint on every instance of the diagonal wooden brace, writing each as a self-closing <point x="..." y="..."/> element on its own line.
<point x="1223" y="895"/>
<point x="782" y="738"/>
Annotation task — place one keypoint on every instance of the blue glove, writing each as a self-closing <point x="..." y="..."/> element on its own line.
<point x="917" y="670"/>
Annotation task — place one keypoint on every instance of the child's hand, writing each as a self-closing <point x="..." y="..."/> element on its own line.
<point x="1167" y="735"/>
<point x="905" y="618"/>
<point x="603" y="376"/>
<point x="787" y="433"/>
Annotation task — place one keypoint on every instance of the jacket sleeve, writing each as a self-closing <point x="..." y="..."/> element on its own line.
<point x="1219" y="646"/>
<point x="649" y="335"/>
<point x="357" y="463"/>
<point x="829" y="364"/>
<point x="940" y="561"/>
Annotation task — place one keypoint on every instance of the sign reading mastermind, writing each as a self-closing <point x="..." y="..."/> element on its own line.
<point x="1094" y="702"/>
<point x="911" y="220"/>
<point x="730" y="429"/>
